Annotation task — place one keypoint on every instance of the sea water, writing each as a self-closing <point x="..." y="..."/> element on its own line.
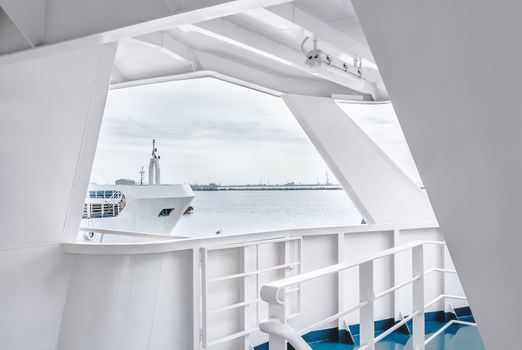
<point x="235" y="212"/>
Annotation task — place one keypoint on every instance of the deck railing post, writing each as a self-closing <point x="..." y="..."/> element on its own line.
<point x="340" y="281"/>
<point x="277" y="311"/>
<point x="418" y="297"/>
<point x="444" y="266"/>
<point x="366" y="294"/>
<point x="395" y="272"/>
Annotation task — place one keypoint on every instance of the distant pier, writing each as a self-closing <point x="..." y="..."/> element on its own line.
<point x="285" y="187"/>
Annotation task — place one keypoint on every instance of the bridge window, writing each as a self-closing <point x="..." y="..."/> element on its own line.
<point x="165" y="212"/>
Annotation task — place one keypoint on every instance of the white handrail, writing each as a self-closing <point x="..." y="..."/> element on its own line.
<point x="446" y="326"/>
<point x="276" y="302"/>
<point x="104" y="231"/>
<point x="397" y="287"/>
<point x="269" y="292"/>
<point x="333" y="317"/>
<point x="155" y="246"/>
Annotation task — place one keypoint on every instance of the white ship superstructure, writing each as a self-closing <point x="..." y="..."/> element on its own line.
<point x="154" y="208"/>
<point x="451" y="70"/>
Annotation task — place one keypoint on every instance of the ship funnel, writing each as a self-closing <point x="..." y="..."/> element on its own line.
<point x="154" y="167"/>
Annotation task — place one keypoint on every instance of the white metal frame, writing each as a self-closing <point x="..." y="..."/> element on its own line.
<point x="271" y="293"/>
<point x="157" y="244"/>
<point x="245" y="302"/>
<point x="157" y="237"/>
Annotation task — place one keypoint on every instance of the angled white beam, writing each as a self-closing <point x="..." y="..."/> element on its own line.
<point x="193" y="75"/>
<point x="75" y="24"/>
<point x="238" y="73"/>
<point x="61" y="116"/>
<point x="206" y="64"/>
<point x="270" y="80"/>
<point x="166" y="44"/>
<point x="76" y="18"/>
<point x="28" y="17"/>
<point x="11" y="38"/>
<point x="242" y="38"/>
<point x="330" y="40"/>
<point x="320" y="29"/>
<point x="378" y="187"/>
<point x="117" y="76"/>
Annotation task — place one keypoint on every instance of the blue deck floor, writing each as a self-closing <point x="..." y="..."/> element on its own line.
<point x="455" y="337"/>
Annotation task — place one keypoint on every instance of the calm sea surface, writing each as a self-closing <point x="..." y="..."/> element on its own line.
<point x="254" y="211"/>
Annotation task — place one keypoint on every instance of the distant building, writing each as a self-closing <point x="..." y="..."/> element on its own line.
<point x="125" y="182"/>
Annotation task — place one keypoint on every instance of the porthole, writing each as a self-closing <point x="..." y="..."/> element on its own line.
<point x="89" y="236"/>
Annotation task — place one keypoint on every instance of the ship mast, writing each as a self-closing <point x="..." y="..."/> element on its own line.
<point x="154" y="167"/>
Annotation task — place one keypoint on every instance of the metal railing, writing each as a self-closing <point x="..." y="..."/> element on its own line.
<point x="249" y="277"/>
<point x="110" y="204"/>
<point x="105" y="194"/>
<point x="280" y="332"/>
<point x="223" y="324"/>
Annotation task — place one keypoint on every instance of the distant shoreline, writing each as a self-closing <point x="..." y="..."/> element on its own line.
<point x="266" y="188"/>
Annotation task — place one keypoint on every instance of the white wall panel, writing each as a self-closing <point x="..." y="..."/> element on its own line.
<point x="51" y="109"/>
<point x="460" y="112"/>
<point x="173" y="319"/>
<point x="320" y="295"/>
<point x="360" y="245"/>
<point x="90" y="317"/>
<point x="33" y="287"/>
<point x="147" y="302"/>
<point x="50" y="112"/>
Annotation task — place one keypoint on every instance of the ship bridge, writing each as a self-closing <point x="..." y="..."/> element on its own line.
<point x="415" y="264"/>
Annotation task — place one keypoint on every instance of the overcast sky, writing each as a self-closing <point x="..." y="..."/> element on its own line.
<point x="211" y="131"/>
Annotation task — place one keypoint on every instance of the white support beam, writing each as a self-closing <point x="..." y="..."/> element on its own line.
<point x="61" y="116"/>
<point x="269" y="80"/>
<point x="238" y="73"/>
<point x="367" y="312"/>
<point x="242" y="38"/>
<point x="320" y="29"/>
<point x="76" y="18"/>
<point x="417" y="263"/>
<point x="11" y="37"/>
<point x="166" y="44"/>
<point x="335" y="44"/>
<point x="381" y="191"/>
<point x="77" y="23"/>
<point x="205" y="64"/>
<point x="117" y="76"/>
<point x="29" y="18"/>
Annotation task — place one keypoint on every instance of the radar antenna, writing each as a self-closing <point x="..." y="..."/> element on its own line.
<point x="154" y="150"/>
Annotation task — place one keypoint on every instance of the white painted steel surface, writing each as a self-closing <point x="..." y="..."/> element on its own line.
<point x="146" y="295"/>
<point x="252" y="270"/>
<point x="271" y="293"/>
<point x="51" y="109"/>
<point x="463" y="131"/>
<point x="180" y="283"/>
<point x="378" y="187"/>
<point x="142" y="207"/>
